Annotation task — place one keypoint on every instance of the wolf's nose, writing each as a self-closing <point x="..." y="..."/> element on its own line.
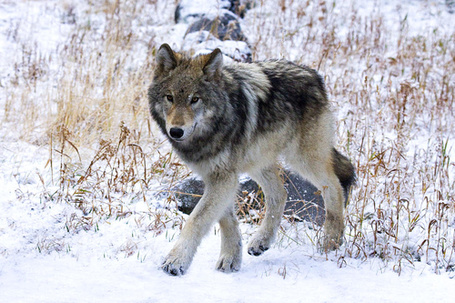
<point x="176" y="132"/>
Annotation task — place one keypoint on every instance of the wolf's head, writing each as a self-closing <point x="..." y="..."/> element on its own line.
<point x="186" y="93"/>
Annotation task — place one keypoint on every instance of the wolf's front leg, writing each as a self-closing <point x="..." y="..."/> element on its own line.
<point x="231" y="243"/>
<point x="219" y="193"/>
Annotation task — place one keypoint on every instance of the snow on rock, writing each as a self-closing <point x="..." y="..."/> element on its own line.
<point x="189" y="11"/>
<point x="212" y="24"/>
<point x="204" y="42"/>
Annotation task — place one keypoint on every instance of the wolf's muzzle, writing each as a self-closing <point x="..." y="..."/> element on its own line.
<point x="176" y="133"/>
<point x="180" y="134"/>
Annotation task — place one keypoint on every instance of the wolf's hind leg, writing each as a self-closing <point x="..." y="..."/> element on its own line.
<point x="319" y="170"/>
<point x="231" y="243"/>
<point x="220" y="191"/>
<point x="275" y="199"/>
<point x="332" y="194"/>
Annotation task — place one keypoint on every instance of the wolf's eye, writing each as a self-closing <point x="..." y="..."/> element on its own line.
<point x="169" y="98"/>
<point x="194" y="100"/>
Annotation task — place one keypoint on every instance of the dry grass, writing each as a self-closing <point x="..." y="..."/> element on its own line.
<point x="393" y="90"/>
<point x="396" y="96"/>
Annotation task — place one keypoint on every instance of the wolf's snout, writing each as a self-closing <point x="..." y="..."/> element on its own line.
<point x="176" y="132"/>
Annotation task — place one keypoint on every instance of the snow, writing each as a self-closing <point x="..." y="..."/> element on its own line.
<point x="191" y="10"/>
<point x="58" y="278"/>
<point x="118" y="259"/>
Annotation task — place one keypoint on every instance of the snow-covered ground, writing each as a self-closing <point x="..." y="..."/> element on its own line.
<point x="53" y="251"/>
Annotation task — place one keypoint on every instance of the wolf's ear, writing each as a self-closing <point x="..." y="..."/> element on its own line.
<point x="214" y="64"/>
<point x="165" y="60"/>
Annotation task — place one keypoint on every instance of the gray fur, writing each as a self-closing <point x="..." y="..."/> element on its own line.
<point x="227" y="120"/>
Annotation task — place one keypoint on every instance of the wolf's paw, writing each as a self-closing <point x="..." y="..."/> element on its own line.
<point x="257" y="251"/>
<point x="258" y="246"/>
<point x="333" y="232"/>
<point x="173" y="270"/>
<point x="175" y="266"/>
<point x="229" y="263"/>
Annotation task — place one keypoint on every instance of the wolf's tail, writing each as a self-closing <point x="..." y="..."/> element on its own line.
<point x="345" y="172"/>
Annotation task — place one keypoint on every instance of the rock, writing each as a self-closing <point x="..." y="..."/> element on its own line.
<point x="239" y="7"/>
<point x="450" y="6"/>
<point x="188" y="11"/>
<point x="203" y="42"/>
<point x="224" y="27"/>
<point x="213" y="25"/>
<point x="188" y="193"/>
<point x="304" y="201"/>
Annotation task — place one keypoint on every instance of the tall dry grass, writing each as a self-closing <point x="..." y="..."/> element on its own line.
<point x="392" y="89"/>
<point x="394" y="93"/>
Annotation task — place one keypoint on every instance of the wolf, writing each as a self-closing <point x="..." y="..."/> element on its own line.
<point x="226" y="120"/>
